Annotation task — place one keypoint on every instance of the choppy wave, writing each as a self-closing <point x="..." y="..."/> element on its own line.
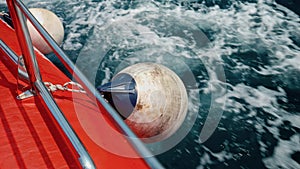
<point x="256" y="42"/>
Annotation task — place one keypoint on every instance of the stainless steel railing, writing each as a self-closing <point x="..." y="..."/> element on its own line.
<point x="21" y="73"/>
<point x="18" y="11"/>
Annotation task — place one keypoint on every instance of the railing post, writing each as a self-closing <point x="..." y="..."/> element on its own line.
<point x="25" y="43"/>
<point x="35" y="81"/>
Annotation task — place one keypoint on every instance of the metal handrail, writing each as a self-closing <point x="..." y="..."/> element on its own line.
<point x="79" y="77"/>
<point x="36" y="83"/>
<point x="25" y="43"/>
<point x="9" y="52"/>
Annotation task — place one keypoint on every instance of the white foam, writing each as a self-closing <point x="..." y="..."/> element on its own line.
<point x="283" y="151"/>
<point x="261" y="97"/>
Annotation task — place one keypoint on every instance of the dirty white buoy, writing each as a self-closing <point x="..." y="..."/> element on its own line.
<point x="161" y="100"/>
<point x="52" y="25"/>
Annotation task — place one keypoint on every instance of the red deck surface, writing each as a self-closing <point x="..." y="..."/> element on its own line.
<point x="30" y="137"/>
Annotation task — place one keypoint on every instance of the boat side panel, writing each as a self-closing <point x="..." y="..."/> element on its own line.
<point x="26" y="140"/>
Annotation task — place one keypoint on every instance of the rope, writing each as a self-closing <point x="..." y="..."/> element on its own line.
<point x="69" y="86"/>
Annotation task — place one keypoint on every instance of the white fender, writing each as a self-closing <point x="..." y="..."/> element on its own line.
<point x="52" y="25"/>
<point x="162" y="101"/>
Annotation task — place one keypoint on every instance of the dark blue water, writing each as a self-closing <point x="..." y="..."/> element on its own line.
<point x="243" y="56"/>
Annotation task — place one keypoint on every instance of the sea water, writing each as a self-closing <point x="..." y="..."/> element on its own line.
<point x="239" y="60"/>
